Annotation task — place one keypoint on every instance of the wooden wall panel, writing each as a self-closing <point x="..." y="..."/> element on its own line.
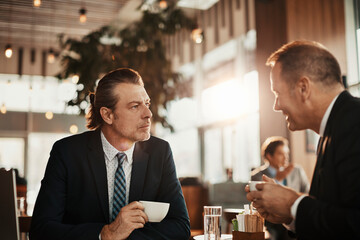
<point x="270" y="35"/>
<point x="318" y="20"/>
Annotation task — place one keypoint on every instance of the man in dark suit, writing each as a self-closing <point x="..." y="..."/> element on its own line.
<point x="306" y="80"/>
<point x="94" y="180"/>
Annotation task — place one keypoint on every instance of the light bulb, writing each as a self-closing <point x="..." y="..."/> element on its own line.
<point x="163" y="4"/>
<point x="82" y="18"/>
<point x="75" y="79"/>
<point x="3" y="108"/>
<point x="49" y="115"/>
<point x="197" y="35"/>
<point x="8" y="51"/>
<point x="51" y="56"/>
<point x="37" y="3"/>
<point x="73" y="129"/>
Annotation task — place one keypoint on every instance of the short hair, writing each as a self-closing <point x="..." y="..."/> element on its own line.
<point x="306" y="57"/>
<point x="105" y="96"/>
<point x="270" y="144"/>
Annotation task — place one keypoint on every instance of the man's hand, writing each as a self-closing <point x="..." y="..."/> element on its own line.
<point x="273" y="201"/>
<point x="280" y="175"/>
<point x="130" y="217"/>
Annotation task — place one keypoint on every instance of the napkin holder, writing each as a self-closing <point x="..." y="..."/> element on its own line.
<point x="249" y="225"/>
<point x="238" y="235"/>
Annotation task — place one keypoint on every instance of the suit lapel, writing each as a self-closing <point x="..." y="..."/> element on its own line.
<point x="98" y="167"/>
<point x="138" y="173"/>
<point x="325" y="141"/>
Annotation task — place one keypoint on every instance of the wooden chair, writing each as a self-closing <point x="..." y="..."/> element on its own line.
<point x="24" y="223"/>
<point x="196" y="197"/>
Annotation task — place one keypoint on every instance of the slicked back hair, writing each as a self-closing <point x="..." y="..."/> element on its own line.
<point x="105" y="95"/>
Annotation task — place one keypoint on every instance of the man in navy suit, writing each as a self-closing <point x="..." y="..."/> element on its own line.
<point x="306" y="80"/>
<point x="76" y="199"/>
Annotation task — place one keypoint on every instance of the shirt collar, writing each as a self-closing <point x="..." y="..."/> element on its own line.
<point x="110" y="151"/>
<point x="326" y="117"/>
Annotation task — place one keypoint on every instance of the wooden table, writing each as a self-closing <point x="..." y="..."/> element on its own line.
<point x="24" y="223"/>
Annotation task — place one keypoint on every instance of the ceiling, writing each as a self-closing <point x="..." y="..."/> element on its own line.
<point x="23" y="24"/>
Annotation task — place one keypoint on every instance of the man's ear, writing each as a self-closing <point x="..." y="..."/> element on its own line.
<point x="107" y="115"/>
<point x="304" y="87"/>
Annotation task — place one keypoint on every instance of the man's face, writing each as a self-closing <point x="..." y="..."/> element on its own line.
<point x="131" y="115"/>
<point x="280" y="158"/>
<point x="286" y="100"/>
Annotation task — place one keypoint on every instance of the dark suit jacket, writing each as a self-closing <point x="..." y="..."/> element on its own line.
<point x="333" y="209"/>
<point x="73" y="199"/>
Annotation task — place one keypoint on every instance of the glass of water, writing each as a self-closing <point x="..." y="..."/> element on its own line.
<point x="212" y="222"/>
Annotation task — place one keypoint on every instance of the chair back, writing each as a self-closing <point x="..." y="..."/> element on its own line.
<point x="196" y="197"/>
<point x="9" y="223"/>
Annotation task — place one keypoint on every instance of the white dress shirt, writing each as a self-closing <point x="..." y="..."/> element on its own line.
<point x="295" y="205"/>
<point x="112" y="162"/>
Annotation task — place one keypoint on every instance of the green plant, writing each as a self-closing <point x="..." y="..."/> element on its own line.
<point x="141" y="48"/>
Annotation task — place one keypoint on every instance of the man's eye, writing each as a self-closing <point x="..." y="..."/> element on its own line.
<point x="148" y="104"/>
<point x="135" y="107"/>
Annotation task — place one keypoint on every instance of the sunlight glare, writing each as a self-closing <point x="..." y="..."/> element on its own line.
<point x="231" y="99"/>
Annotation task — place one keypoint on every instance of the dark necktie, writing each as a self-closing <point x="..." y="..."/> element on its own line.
<point x="315" y="179"/>
<point x="119" y="199"/>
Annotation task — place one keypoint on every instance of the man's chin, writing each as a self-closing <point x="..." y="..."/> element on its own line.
<point x="144" y="137"/>
<point x="291" y="127"/>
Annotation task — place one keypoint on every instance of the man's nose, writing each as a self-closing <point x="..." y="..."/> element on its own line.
<point x="276" y="106"/>
<point x="147" y="113"/>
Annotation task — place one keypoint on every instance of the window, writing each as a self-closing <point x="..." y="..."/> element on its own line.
<point x="12" y="153"/>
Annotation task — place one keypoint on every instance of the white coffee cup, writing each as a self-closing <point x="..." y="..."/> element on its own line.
<point x="252" y="185"/>
<point x="156" y="211"/>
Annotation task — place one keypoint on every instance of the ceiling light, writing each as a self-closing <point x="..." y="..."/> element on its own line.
<point x="199" y="4"/>
<point x="8" y="51"/>
<point x="49" y="115"/>
<point x="73" y="129"/>
<point x="51" y="56"/>
<point x="163" y="4"/>
<point x="197" y="35"/>
<point x="75" y="79"/>
<point x="3" y="108"/>
<point x="37" y="3"/>
<point x="82" y="12"/>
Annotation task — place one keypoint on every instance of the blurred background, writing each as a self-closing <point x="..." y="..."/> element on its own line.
<point x="203" y="64"/>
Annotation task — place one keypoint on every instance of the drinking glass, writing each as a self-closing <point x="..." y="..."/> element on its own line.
<point x="212" y="222"/>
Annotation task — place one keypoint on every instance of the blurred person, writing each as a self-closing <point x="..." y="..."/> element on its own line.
<point x="94" y="180"/>
<point x="275" y="151"/>
<point x="19" y="180"/>
<point x="229" y="174"/>
<point x="306" y="80"/>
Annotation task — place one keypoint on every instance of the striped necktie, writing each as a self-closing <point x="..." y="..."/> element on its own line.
<point x="119" y="199"/>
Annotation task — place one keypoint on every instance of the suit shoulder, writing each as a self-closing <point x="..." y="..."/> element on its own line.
<point x="75" y="139"/>
<point x="156" y="141"/>
<point x="154" y="144"/>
